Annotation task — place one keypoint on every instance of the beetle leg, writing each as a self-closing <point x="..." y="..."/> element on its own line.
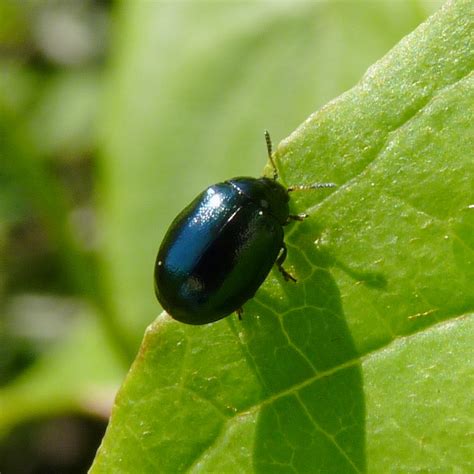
<point x="279" y="263"/>
<point x="239" y="312"/>
<point x="296" y="217"/>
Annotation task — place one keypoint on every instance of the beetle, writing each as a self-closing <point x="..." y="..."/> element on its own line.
<point x="221" y="247"/>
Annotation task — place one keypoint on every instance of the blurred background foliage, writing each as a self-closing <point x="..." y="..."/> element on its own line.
<point x="112" y="117"/>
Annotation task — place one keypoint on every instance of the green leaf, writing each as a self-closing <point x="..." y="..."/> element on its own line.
<point x="364" y="363"/>
<point x="80" y="374"/>
<point x="64" y="120"/>
<point x="424" y="405"/>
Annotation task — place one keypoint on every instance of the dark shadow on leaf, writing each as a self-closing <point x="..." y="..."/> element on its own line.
<point x="374" y="280"/>
<point x="312" y="413"/>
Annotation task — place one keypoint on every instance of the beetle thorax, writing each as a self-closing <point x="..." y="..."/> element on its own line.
<point x="268" y="194"/>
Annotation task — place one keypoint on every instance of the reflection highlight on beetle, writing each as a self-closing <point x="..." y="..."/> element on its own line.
<point x="221" y="247"/>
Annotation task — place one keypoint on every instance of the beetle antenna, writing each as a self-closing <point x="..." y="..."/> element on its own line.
<point x="268" y="140"/>
<point x="305" y="187"/>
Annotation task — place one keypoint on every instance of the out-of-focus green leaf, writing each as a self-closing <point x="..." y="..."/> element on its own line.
<point x="64" y="120"/>
<point x="193" y="86"/>
<point x="344" y="371"/>
<point x="13" y="24"/>
<point x="18" y="88"/>
<point x="80" y="374"/>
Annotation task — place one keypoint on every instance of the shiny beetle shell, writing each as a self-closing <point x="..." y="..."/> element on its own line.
<point x="220" y="248"/>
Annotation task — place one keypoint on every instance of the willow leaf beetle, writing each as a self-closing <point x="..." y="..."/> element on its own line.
<point x="221" y="247"/>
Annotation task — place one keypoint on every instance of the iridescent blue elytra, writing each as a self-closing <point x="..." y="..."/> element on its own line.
<point x="219" y="249"/>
